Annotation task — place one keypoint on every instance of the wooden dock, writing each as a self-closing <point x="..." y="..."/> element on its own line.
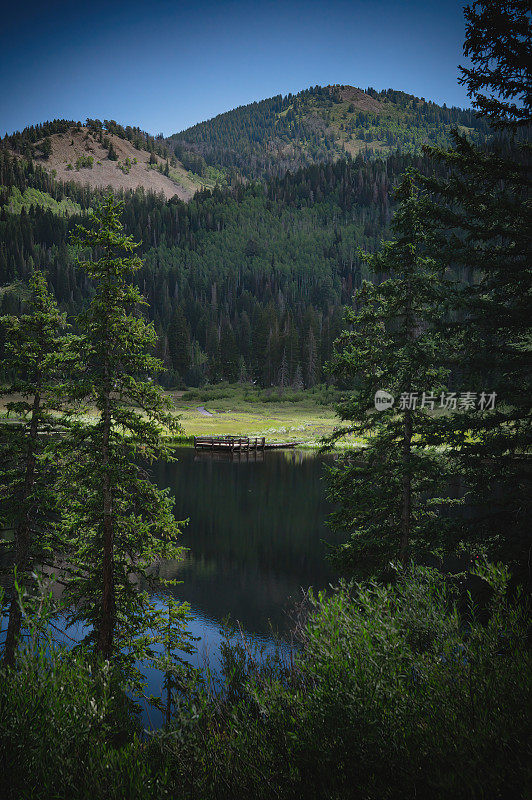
<point x="238" y="444"/>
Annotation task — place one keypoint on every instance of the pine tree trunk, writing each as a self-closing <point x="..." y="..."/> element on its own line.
<point x="407" y="488"/>
<point x="107" y="621"/>
<point x="406" y="516"/>
<point x="108" y="608"/>
<point x="22" y="536"/>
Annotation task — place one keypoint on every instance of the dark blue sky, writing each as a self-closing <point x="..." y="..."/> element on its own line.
<point x="165" y="65"/>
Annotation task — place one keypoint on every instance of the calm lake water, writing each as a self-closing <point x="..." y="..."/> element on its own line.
<point x="256" y="534"/>
<point x="256" y="537"/>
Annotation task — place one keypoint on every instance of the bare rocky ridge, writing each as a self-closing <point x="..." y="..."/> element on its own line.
<point x="359" y="98"/>
<point x="79" y="143"/>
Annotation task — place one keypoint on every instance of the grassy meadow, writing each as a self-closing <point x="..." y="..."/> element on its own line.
<point x="304" y="416"/>
<point x="280" y="416"/>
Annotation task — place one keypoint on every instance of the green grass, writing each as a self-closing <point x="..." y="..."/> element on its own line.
<point x="304" y="416"/>
<point x="290" y="416"/>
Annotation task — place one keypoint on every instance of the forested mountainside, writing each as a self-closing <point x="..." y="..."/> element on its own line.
<point x="260" y="140"/>
<point x="245" y="281"/>
<point x="248" y="278"/>
<point x="267" y="138"/>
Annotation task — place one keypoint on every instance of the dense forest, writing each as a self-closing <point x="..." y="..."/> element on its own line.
<point x="246" y="282"/>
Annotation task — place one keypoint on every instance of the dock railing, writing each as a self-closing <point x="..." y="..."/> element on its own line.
<point x="231" y="443"/>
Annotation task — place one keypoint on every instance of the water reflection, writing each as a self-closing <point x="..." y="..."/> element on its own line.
<point x="257" y="533"/>
<point x="256" y="537"/>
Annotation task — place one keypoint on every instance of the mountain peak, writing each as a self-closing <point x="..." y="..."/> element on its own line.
<point x="358" y="97"/>
<point x="322" y="123"/>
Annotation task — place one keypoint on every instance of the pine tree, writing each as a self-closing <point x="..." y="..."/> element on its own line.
<point x="36" y="354"/>
<point x="284" y="376"/>
<point x="214" y="353"/>
<point x="297" y="382"/>
<point x="119" y="524"/>
<point x="391" y="347"/>
<point x="46" y="147"/>
<point x="311" y="354"/>
<point x="228" y="352"/>
<point x="480" y="221"/>
<point x="498" y="37"/>
<point x="179" y="343"/>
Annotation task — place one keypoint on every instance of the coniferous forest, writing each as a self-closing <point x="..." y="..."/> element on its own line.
<point x="370" y="247"/>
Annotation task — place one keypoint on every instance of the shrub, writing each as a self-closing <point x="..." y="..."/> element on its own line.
<point x="391" y="697"/>
<point x="84" y="162"/>
<point x="66" y="731"/>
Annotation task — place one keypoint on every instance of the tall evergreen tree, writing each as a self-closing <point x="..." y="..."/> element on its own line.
<point x="390" y="347"/>
<point x="498" y="43"/>
<point x="284" y="375"/>
<point x="480" y="222"/>
<point x="311" y="358"/>
<point x="36" y="355"/>
<point x="229" y="352"/>
<point x="297" y="381"/>
<point x="179" y="343"/>
<point x="119" y="524"/>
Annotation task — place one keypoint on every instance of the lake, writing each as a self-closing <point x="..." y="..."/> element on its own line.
<point x="256" y="537"/>
<point x="256" y="534"/>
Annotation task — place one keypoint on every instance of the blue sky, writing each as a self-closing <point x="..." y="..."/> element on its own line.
<point x="165" y="65"/>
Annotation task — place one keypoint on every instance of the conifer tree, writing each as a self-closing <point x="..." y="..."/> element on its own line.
<point x="36" y="355"/>
<point x="297" y="382"/>
<point x="179" y="343"/>
<point x="498" y="43"/>
<point x="118" y="522"/>
<point x="390" y="347"/>
<point x="479" y="216"/>
<point x="46" y="147"/>
<point x="284" y="376"/>
<point x="228" y="351"/>
<point x="311" y="359"/>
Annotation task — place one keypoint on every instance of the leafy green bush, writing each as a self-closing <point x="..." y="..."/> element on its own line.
<point x="84" y="162"/>
<point x="126" y="166"/>
<point x="391" y="696"/>
<point x="66" y="731"/>
<point x="398" y="699"/>
<point x="207" y="393"/>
